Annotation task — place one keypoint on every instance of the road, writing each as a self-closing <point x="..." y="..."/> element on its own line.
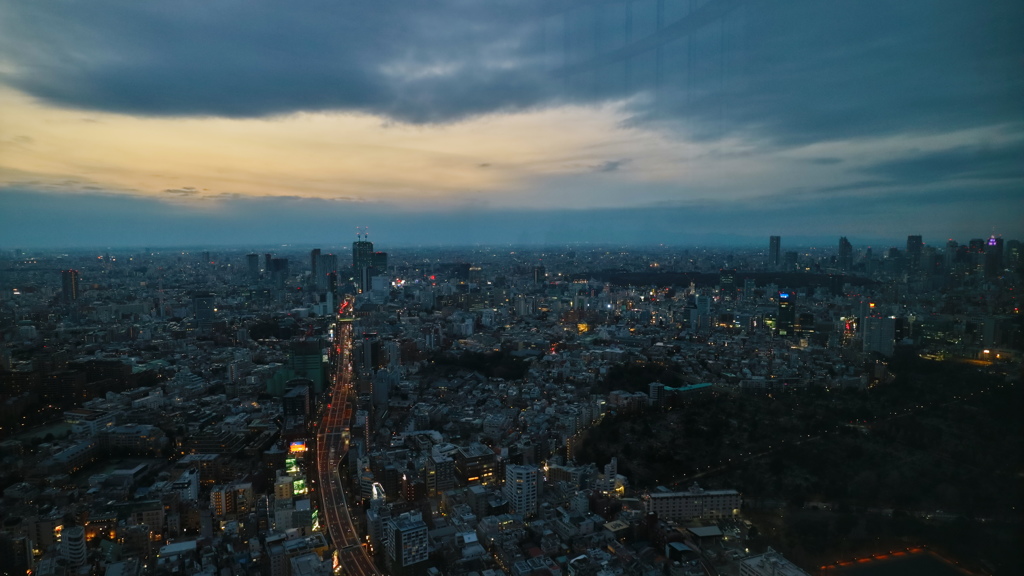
<point x="332" y="441"/>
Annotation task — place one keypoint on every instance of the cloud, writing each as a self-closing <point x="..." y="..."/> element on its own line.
<point x="793" y="72"/>
<point x="969" y="162"/>
<point x="611" y="165"/>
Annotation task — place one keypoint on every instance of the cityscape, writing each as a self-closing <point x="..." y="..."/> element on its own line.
<point x="511" y="288"/>
<point x="512" y="410"/>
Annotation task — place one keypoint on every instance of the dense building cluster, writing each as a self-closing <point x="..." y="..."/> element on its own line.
<point x="159" y="408"/>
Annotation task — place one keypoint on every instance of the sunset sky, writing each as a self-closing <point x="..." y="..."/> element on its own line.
<point x="681" y="121"/>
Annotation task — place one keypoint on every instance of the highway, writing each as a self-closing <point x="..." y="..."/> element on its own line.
<point x="332" y="441"/>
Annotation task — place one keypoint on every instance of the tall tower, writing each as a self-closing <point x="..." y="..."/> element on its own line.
<point x="914" y="246"/>
<point x="993" y="257"/>
<point x="362" y="260"/>
<point x="774" y="247"/>
<point x="69" y="285"/>
<point x="787" y="314"/>
<point x="314" y="261"/>
<point x="845" y="254"/>
<point x="253" y="263"/>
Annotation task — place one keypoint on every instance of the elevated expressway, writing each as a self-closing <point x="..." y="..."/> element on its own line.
<point x="332" y="441"/>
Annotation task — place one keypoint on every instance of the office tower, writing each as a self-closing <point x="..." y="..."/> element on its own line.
<point x="993" y="257"/>
<point x="379" y="262"/>
<point x="69" y="285"/>
<point x="787" y="314"/>
<point x="950" y="254"/>
<point x="774" y="247"/>
<point x="314" y="261"/>
<point x="362" y="263"/>
<point x="845" y="254"/>
<point x="327" y="270"/>
<point x="278" y="271"/>
<point x="521" y="489"/>
<point x="914" y="246"/>
<point x="266" y="262"/>
<point x="73" y="545"/>
<point x="879" y="334"/>
<point x="406" y="543"/>
<point x="253" y="263"/>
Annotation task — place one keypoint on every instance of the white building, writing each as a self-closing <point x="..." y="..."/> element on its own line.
<point x="521" y="483"/>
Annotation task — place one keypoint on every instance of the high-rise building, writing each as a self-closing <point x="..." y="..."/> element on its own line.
<point x="521" y="489"/>
<point x="314" y="262"/>
<point x="845" y="254"/>
<point x="362" y="263"/>
<point x="379" y="262"/>
<point x="69" y="285"/>
<point x="914" y="246"/>
<point x="73" y="545"/>
<point x="774" y="251"/>
<point x="326" y="266"/>
<point x="993" y="257"/>
<point x="787" y="314"/>
<point x="727" y="283"/>
<point x="253" y="263"/>
<point x="202" y="308"/>
<point x="406" y="543"/>
<point x="879" y="334"/>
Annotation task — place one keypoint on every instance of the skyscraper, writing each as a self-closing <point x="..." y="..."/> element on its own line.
<point x="787" y="314"/>
<point x="253" y="263"/>
<point x="914" y="246"/>
<point x="362" y="262"/>
<point x="993" y="257"/>
<point x="69" y="285"/>
<point x="774" y="248"/>
<point x="845" y="254"/>
<point x="314" y="261"/>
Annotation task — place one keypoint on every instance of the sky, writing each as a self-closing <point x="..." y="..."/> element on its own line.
<point x="126" y="123"/>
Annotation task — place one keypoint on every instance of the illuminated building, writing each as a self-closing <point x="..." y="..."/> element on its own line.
<point x="993" y="257"/>
<point x="693" y="503"/>
<point x="521" y="489"/>
<point x="787" y="314"/>
<point x="774" y="248"/>
<point x="405" y="540"/>
<point x="475" y="463"/>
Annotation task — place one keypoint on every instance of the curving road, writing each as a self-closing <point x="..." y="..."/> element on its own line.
<point x="332" y="440"/>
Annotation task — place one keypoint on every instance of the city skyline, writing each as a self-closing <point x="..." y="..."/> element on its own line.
<point x="645" y="122"/>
